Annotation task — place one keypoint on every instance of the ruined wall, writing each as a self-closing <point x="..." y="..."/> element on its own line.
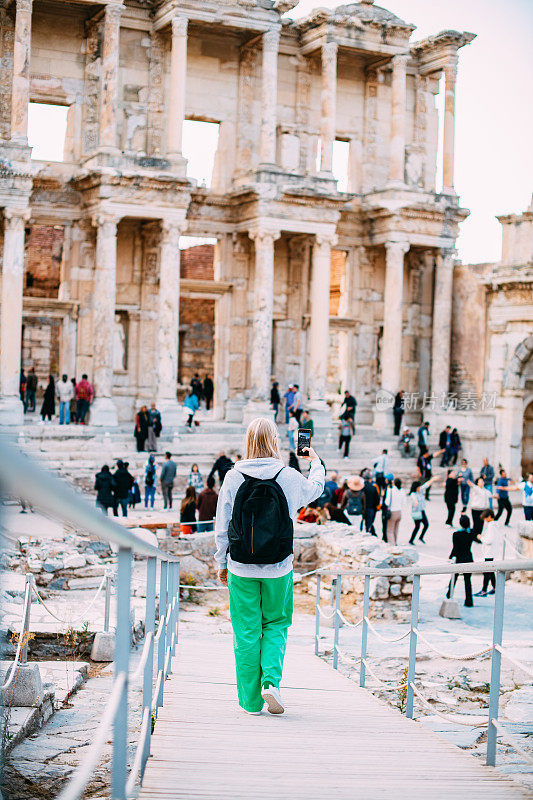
<point x="40" y="347"/>
<point x="42" y="263"/>
<point x="197" y="347"/>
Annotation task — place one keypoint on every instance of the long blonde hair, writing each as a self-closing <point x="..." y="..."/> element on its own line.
<point x="262" y="439"/>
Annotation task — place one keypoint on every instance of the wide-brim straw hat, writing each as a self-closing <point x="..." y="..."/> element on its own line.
<point x="355" y="482"/>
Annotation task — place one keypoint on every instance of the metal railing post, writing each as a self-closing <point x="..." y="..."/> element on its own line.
<point x="149" y="628"/>
<point x="494" y="701"/>
<point x="107" y="603"/>
<point x="162" y="639"/>
<point x="122" y="654"/>
<point x="413" y="640"/>
<point x="175" y="594"/>
<point x="26" y="626"/>
<point x="178" y="581"/>
<point x="317" y="614"/>
<point x="364" y="631"/>
<point x="337" y="621"/>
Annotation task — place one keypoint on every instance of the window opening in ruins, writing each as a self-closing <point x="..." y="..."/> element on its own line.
<point x="197" y="314"/>
<point x="200" y="144"/>
<point x="340" y="161"/>
<point x="47" y="128"/>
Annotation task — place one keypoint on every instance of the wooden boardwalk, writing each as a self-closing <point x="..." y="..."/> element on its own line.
<point x="334" y="741"/>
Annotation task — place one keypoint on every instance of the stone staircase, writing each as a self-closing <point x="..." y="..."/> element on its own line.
<point x="77" y="453"/>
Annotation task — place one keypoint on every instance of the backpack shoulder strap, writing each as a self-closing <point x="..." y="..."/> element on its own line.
<point x="277" y="474"/>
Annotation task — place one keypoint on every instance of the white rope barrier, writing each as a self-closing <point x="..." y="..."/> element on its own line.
<point x="324" y="613"/>
<point x="72" y="619"/>
<point x="385" y="638"/>
<point x="348" y="623"/>
<point x="347" y="658"/>
<point x="518" y="664"/>
<point x="451" y="656"/>
<point x="513" y="741"/>
<point x="21" y="643"/>
<point x="82" y="775"/>
<point x="444" y="716"/>
<point x="380" y="680"/>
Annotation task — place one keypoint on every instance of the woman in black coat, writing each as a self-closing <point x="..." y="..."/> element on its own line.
<point x="451" y="494"/>
<point x="104" y="484"/>
<point x="141" y="428"/>
<point x="48" y="408"/>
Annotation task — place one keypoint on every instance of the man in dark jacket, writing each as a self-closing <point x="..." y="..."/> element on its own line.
<point x="398" y="411"/>
<point x="168" y="473"/>
<point x="209" y="391"/>
<point x="196" y="386"/>
<point x="445" y="443"/>
<point x="222" y="465"/>
<point x="372" y="500"/>
<point x="104" y="485"/>
<point x="123" y="481"/>
<point x="451" y="495"/>
<point x="462" y="552"/>
<point x="31" y="389"/>
<point x="349" y="404"/>
<point x="207" y="506"/>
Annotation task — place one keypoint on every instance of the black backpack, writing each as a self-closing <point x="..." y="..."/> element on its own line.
<point x="150" y="475"/>
<point x="260" y="530"/>
<point x="355" y="504"/>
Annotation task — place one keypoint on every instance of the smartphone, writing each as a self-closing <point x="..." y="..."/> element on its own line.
<point x="304" y="441"/>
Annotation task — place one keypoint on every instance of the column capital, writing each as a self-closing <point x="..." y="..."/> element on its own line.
<point x="24" y="5"/>
<point x="329" y="51"/>
<point x="264" y="236"/>
<point x="113" y="12"/>
<point x="271" y="40"/>
<point x="326" y="239"/>
<point x="397" y="248"/>
<point x="104" y="219"/>
<point x="171" y="230"/>
<point x="400" y="61"/>
<point x="179" y="25"/>
<point x="450" y="70"/>
<point x="447" y="255"/>
<point x="16" y="217"/>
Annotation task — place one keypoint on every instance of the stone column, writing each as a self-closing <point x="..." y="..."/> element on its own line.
<point x="319" y="325"/>
<point x="448" y="144"/>
<point x="168" y="323"/>
<point x="11" y="408"/>
<point x="269" y="97"/>
<point x="391" y="349"/>
<point x="20" y="88"/>
<point x="329" y="104"/>
<point x="261" y="355"/>
<point x="103" y="409"/>
<point x="109" y="82"/>
<point x="398" y="100"/>
<point x="442" y="323"/>
<point x="178" y="76"/>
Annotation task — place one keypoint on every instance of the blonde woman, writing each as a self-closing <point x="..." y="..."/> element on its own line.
<point x="253" y="531"/>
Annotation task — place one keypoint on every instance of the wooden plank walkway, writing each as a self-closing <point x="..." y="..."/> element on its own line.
<point x="334" y="741"/>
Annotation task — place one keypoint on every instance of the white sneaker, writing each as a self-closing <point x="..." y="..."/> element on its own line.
<point x="272" y="698"/>
<point x="253" y="713"/>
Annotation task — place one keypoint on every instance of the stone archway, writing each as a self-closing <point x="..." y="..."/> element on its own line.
<point x="513" y="377"/>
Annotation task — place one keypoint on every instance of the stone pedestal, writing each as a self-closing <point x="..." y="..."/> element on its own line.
<point x="11" y="408"/>
<point x="103" y="413"/>
<point x="256" y="408"/>
<point x="103" y="648"/>
<point x="234" y="410"/>
<point x="26" y="689"/>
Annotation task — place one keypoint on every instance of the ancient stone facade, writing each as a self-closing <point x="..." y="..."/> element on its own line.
<point x="283" y="93"/>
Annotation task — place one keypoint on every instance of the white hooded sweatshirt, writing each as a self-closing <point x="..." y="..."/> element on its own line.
<point x="298" y="490"/>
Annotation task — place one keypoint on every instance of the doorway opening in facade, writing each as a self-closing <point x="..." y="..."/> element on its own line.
<point x="47" y="128"/>
<point x="196" y="355"/>
<point x="200" y="145"/>
<point x="340" y="161"/>
<point x="527" y="440"/>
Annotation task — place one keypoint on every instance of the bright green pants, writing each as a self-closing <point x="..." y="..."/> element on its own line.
<point x="261" y="613"/>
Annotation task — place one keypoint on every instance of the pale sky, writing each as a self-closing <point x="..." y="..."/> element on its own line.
<point x="494" y="113"/>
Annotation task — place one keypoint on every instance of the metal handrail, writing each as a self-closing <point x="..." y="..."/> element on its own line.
<point x="496" y="650"/>
<point x="20" y="477"/>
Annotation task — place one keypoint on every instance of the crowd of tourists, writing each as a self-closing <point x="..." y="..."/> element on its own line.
<point x="73" y="397"/>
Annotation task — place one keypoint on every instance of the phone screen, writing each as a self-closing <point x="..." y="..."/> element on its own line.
<point x="304" y="441"/>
